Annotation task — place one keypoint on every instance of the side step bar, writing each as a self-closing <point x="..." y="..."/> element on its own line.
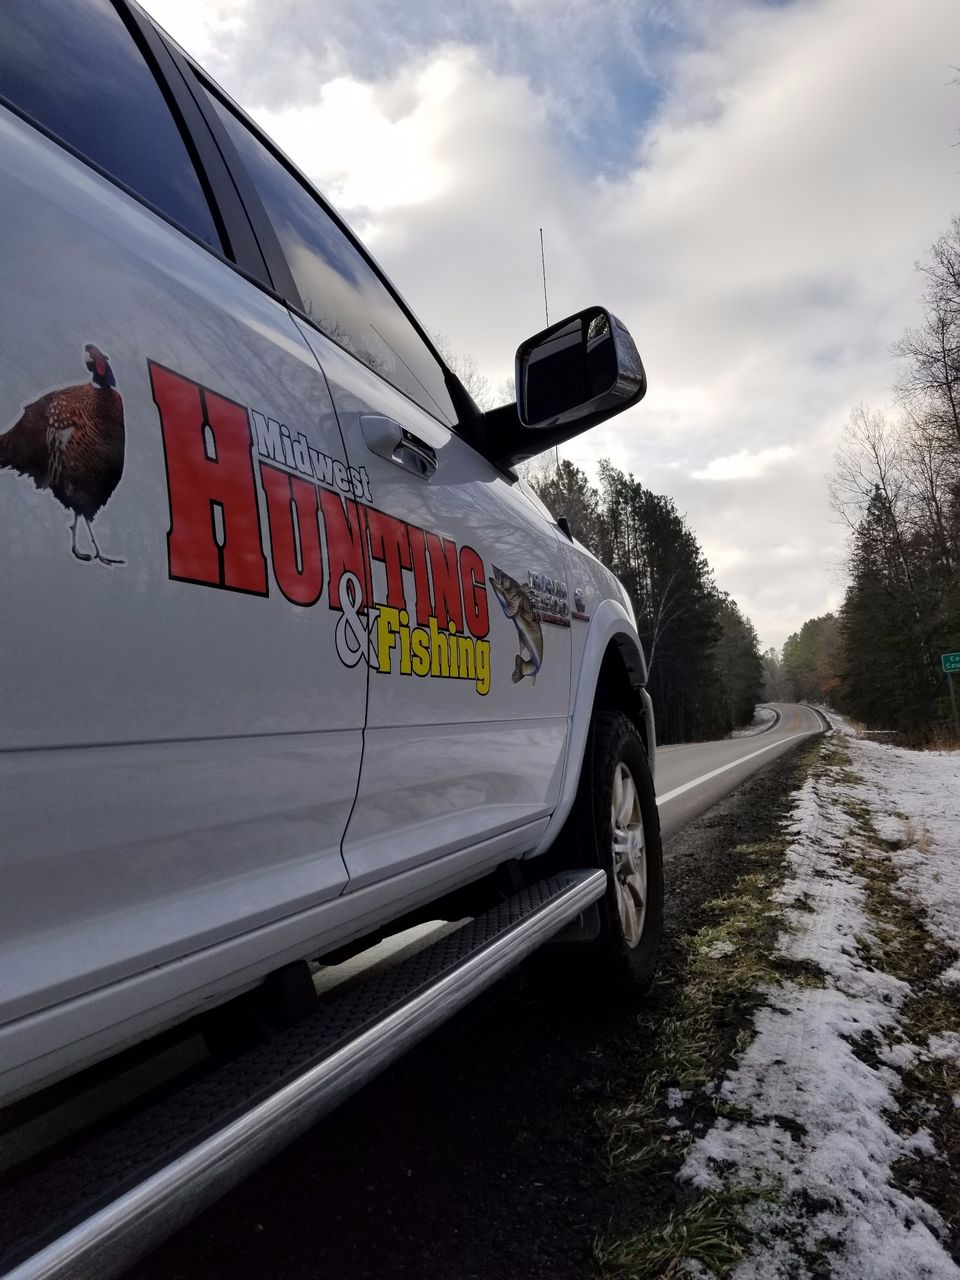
<point x="124" y="1190"/>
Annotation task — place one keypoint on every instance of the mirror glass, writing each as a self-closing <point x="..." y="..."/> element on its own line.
<point x="569" y="366"/>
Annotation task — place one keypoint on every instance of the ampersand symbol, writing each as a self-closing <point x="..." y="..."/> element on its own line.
<point x="353" y="632"/>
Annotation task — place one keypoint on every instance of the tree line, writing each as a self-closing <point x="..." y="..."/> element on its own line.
<point x="705" y="672"/>
<point x="896" y="485"/>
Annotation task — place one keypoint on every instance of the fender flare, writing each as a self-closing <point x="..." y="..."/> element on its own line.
<point x="610" y="624"/>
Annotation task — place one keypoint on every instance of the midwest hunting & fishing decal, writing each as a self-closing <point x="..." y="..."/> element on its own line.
<point x="324" y="537"/>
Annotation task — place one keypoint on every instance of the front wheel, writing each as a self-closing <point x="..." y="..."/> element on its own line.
<point x="615" y="826"/>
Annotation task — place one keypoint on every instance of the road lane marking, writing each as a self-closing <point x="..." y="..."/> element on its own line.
<point x="705" y="777"/>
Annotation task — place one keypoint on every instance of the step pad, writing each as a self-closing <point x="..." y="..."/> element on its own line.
<point x="125" y="1188"/>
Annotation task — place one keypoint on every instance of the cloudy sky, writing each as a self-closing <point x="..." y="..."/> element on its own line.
<point x="747" y="185"/>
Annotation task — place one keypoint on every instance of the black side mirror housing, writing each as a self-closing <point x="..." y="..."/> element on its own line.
<point x="586" y="364"/>
<point x="570" y="377"/>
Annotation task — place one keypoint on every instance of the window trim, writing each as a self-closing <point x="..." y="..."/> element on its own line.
<point x="239" y="240"/>
<point x="263" y="248"/>
<point x="467" y="416"/>
<point x="227" y="215"/>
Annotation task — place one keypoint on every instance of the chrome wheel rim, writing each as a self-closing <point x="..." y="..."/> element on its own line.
<point x="629" y="855"/>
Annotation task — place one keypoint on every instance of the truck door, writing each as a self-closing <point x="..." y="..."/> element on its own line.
<point x="448" y="581"/>
<point x="179" y="749"/>
<point x="469" y="641"/>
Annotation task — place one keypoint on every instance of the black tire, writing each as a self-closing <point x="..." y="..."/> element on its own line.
<point x="621" y="960"/>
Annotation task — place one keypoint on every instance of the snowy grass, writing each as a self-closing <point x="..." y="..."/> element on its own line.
<point x="820" y="1106"/>
<point x="833" y="1148"/>
<point x="916" y="797"/>
<point x="723" y="968"/>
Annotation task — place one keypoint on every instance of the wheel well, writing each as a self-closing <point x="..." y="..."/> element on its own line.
<point x="617" y="692"/>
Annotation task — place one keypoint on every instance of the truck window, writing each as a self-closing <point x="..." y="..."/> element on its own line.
<point x="341" y="292"/>
<point x="74" y="68"/>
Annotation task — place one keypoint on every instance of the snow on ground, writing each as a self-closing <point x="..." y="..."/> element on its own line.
<point x="763" y="718"/>
<point x="917" y="798"/>
<point x="816" y="1127"/>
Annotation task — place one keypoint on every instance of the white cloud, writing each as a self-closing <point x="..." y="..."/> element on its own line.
<point x="576" y="57"/>
<point x="744" y="465"/>
<point x="382" y="144"/>
<point x="759" y="244"/>
<point x="201" y="28"/>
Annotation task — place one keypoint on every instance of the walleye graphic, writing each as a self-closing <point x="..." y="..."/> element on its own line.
<point x="517" y="605"/>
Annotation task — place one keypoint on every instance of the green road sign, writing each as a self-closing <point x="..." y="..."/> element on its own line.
<point x="951" y="661"/>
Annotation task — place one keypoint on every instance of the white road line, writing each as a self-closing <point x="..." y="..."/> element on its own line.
<point x="688" y="786"/>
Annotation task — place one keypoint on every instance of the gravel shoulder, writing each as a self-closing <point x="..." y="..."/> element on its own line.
<point x="488" y="1151"/>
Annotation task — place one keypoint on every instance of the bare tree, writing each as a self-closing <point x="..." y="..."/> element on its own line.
<point x="870" y="462"/>
<point x="662" y="609"/>
<point x="897" y="487"/>
<point x="930" y="476"/>
<point x="869" y="458"/>
<point x="477" y="384"/>
<point x="505" y="392"/>
<point x="930" y="381"/>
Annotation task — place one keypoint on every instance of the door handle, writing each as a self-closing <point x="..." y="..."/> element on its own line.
<point x="415" y="454"/>
<point x="390" y="440"/>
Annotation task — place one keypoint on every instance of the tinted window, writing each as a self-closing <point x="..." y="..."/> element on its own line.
<point x="341" y="292"/>
<point x="74" y="67"/>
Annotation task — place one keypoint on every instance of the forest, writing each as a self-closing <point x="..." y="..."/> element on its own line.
<point x="705" y="672"/>
<point x="896" y="485"/>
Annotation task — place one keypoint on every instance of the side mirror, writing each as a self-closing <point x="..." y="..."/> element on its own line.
<point x="578" y="372"/>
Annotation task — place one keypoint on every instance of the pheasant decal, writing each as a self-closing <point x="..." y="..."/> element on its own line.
<point x="72" y="443"/>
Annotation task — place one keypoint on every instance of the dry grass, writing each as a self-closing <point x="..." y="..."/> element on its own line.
<point x="710" y="1231"/>
<point x="721" y="976"/>
<point x="726" y="969"/>
<point x="723" y="968"/>
<point x="917" y="836"/>
<point x="902" y="946"/>
<point x="943" y="739"/>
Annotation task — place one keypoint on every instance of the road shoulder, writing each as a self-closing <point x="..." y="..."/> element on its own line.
<point x="803" y="1091"/>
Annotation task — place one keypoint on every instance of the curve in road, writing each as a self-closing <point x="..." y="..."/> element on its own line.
<point x="692" y="777"/>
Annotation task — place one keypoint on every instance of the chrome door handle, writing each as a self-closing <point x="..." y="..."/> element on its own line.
<point x="390" y="440"/>
<point x="415" y="454"/>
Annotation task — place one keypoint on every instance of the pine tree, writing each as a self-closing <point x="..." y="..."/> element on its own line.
<point x="702" y="655"/>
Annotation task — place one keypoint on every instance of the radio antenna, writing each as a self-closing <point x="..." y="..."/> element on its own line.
<point x="546" y="316"/>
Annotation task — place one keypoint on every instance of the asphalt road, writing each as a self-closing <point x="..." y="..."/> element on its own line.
<point x="479" y="1154"/>
<point x="691" y="778"/>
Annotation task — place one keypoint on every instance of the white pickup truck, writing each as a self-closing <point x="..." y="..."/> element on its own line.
<point x="289" y="656"/>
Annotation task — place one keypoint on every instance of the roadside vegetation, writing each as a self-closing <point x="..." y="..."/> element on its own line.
<point x="713" y="979"/>
<point x="896" y="485"/>
<point x="702" y="652"/>
<point x="803" y="1081"/>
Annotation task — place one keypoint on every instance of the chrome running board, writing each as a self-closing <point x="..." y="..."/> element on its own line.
<point x="122" y="1192"/>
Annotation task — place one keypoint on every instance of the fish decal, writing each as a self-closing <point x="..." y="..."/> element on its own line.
<point x="516" y="604"/>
